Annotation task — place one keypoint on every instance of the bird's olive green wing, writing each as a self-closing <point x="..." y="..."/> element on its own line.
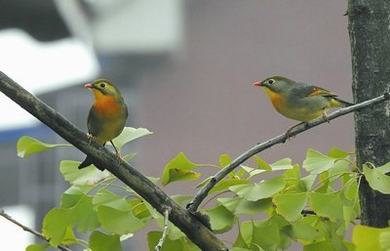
<point x="93" y="123"/>
<point x="311" y="90"/>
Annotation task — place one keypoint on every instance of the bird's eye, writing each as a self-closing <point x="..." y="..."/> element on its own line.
<point x="271" y="81"/>
<point x="102" y="85"/>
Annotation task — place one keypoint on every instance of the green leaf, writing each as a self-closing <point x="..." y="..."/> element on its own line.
<point x="37" y="247"/>
<point x="308" y="181"/>
<point x="317" y="162"/>
<point x="139" y="209"/>
<point x="377" y="180"/>
<point x="130" y="134"/>
<point x="55" y="224"/>
<point x="319" y="246"/>
<point x="226" y="183"/>
<point x="384" y="240"/>
<point x="266" y="234"/>
<point x="262" y="190"/>
<point x="224" y="160"/>
<point x="337" y="153"/>
<point x="80" y="209"/>
<point x="290" y="205"/>
<point x="99" y="241"/>
<point x="306" y="229"/>
<point x="69" y="237"/>
<point x="327" y="205"/>
<point x="117" y="221"/>
<point x="73" y="195"/>
<point x="116" y="214"/>
<point x="106" y="198"/>
<point x="283" y="164"/>
<point x="84" y="215"/>
<point x="179" y="168"/>
<point x="182" y="244"/>
<point x="252" y="171"/>
<point x="238" y="205"/>
<point x="261" y="164"/>
<point x="385" y="168"/>
<point x="368" y="238"/>
<point x="240" y="242"/>
<point x="88" y="176"/>
<point x="221" y="219"/>
<point x="27" y="146"/>
<point x="245" y="234"/>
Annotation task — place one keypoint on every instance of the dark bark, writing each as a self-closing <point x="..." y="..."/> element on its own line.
<point x="102" y="158"/>
<point x="369" y="31"/>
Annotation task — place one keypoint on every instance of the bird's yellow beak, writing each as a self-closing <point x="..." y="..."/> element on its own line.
<point x="257" y="83"/>
<point x="89" y="85"/>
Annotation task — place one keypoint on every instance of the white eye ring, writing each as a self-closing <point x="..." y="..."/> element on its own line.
<point x="102" y="85"/>
<point x="271" y="81"/>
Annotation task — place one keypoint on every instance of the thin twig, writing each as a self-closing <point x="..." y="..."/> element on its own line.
<point x="104" y="159"/>
<point x="203" y="192"/>
<point x="27" y="229"/>
<point x="165" y="230"/>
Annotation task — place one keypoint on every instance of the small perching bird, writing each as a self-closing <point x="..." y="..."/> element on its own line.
<point x="107" y="116"/>
<point x="299" y="101"/>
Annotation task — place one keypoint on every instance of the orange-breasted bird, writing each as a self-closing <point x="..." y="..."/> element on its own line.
<point x="299" y="101"/>
<point x="107" y="116"/>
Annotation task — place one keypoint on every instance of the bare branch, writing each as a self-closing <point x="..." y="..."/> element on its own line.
<point x="104" y="159"/>
<point x="27" y="229"/>
<point x="203" y="192"/>
<point x="165" y="230"/>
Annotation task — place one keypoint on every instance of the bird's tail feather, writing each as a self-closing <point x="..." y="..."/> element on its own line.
<point x="85" y="163"/>
<point x="341" y="103"/>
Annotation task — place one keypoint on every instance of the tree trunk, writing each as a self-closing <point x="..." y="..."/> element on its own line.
<point x="369" y="31"/>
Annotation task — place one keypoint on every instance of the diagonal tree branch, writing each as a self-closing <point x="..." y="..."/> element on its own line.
<point x="28" y="229"/>
<point x="203" y="192"/>
<point x="102" y="158"/>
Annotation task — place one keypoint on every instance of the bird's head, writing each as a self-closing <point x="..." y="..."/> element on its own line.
<point x="103" y="88"/>
<point x="275" y="84"/>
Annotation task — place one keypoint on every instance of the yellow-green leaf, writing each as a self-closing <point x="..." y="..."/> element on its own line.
<point x="238" y="205"/>
<point x="327" y="205"/>
<point x="221" y="219"/>
<point x="317" y="162"/>
<point x="283" y="164"/>
<point x="290" y="205"/>
<point x="37" y="247"/>
<point x="377" y="180"/>
<point x="130" y="134"/>
<point x="368" y="238"/>
<point x="99" y="241"/>
<point x="262" y="164"/>
<point x="27" y="146"/>
<point x="261" y="190"/>
<point x="224" y="160"/>
<point x="179" y="168"/>
<point x="55" y="225"/>
<point x="88" y="176"/>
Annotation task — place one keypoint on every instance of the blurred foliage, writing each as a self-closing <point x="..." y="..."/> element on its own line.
<point x="312" y="204"/>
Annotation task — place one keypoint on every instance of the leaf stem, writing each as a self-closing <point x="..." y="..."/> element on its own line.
<point x="165" y="230"/>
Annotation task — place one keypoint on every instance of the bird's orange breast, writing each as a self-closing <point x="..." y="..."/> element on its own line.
<point x="276" y="99"/>
<point x="107" y="106"/>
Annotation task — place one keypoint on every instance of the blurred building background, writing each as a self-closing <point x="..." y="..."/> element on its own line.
<point x="185" y="68"/>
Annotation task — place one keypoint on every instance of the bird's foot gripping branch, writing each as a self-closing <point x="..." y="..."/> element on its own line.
<point x="93" y="205"/>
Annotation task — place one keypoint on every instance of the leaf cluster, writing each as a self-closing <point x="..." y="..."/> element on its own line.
<point x="268" y="206"/>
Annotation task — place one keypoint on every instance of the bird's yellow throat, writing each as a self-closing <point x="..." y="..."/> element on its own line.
<point x="275" y="97"/>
